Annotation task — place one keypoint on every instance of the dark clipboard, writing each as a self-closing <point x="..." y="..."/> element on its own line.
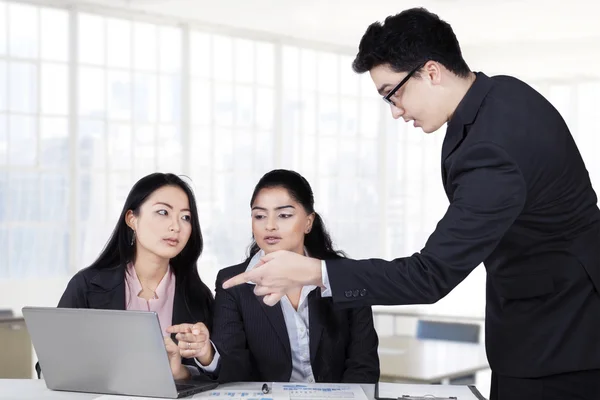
<point x="471" y="387"/>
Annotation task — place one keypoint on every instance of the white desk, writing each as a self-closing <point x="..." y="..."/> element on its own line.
<point x="409" y="359"/>
<point x="34" y="389"/>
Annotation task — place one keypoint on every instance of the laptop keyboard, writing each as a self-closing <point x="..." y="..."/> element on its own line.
<point x="182" y="387"/>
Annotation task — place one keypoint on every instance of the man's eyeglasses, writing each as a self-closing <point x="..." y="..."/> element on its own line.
<point x="388" y="97"/>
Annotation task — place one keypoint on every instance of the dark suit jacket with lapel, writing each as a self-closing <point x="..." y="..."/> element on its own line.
<point x="254" y="345"/>
<point x="521" y="201"/>
<point x="105" y="289"/>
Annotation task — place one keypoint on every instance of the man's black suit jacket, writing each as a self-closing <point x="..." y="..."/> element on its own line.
<point x="522" y="203"/>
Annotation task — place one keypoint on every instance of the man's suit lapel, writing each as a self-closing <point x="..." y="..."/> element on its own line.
<point x="464" y="115"/>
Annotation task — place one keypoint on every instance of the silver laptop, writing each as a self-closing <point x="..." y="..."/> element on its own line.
<point x="105" y="351"/>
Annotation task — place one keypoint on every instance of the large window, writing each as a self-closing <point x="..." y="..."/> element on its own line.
<point x="34" y="142"/>
<point x="90" y="103"/>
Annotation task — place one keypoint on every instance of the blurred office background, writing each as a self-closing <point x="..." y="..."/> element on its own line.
<point x="96" y="94"/>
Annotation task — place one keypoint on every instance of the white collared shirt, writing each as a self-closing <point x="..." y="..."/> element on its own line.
<point x="297" y="324"/>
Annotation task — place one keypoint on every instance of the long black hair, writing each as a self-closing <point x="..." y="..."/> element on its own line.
<point x="317" y="241"/>
<point x="119" y="250"/>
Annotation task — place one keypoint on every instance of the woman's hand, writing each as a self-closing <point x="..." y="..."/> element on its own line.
<point x="178" y="370"/>
<point x="194" y="342"/>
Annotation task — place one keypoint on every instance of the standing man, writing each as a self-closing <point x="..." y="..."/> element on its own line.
<point x="521" y="202"/>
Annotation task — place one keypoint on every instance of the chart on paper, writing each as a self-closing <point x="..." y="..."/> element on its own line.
<point x="320" y="391"/>
<point x="211" y="395"/>
<point x="236" y="395"/>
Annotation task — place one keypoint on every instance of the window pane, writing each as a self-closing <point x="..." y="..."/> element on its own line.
<point x="328" y="115"/>
<point x="24" y="200"/>
<point x="145" y="98"/>
<point x="92" y="89"/>
<point x="22" y="87"/>
<point x="202" y="149"/>
<point x="55" y="193"/>
<point x="370" y="111"/>
<point x="23" y="34"/>
<point x="224" y="105"/>
<point x="54" y="133"/>
<point x="243" y="151"/>
<point x="4" y="248"/>
<point x="368" y="158"/>
<point x="3" y="22"/>
<point x="119" y="95"/>
<point x="23" y="141"/>
<point x="3" y="139"/>
<point x="201" y="107"/>
<point x="327" y="78"/>
<point x="328" y="156"/>
<point x="145" y="147"/>
<point x="92" y="199"/>
<point x="349" y="117"/>
<point x="350" y="82"/>
<point x="265" y="53"/>
<point x="347" y="158"/>
<point x="92" y="145"/>
<point x="55" y="31"/>
<point x="223" y="58"/>
<point x="170" y="154"/>
<point x="244" y="106"/>
<point x="55" y="89"/>
<point x="308" y="154"/>
<point x="244" y="60"/>
<point x="24" y="244"/>
<point x="170" y="49"/>
<point x="264" y="156"/>
<point x="144" y="47"/>
<point x="291" y="67"/>
<point x="119" y="146"/>
<point x="309" y="113"/>
<point x="56" y="242"/>
<point x="308" y="68"/>
<point x="170" y="98"/>
<point x="3" y="85"/>
<point x="200" y="54"/>
<point x="265" y="109"/>
<point x="119" y="43"/>
<point x="91" y="39"/>
<point x="4" y="212"/>
<point x="223" y="159"/>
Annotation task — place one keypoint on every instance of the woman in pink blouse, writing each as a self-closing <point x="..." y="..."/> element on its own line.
<point x="149" y="263"/>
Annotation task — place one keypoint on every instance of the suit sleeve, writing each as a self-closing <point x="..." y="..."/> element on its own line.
<point x="362" y="360"/>
<point x="74" y="295"/>
<point x="489" y="192"/>
<point x="229" y="337"/>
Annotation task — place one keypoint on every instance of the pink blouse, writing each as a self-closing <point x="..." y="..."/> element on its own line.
<point x="162" y="305"/>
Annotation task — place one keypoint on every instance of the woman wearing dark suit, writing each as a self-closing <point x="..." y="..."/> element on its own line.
<point x="149" y="264"/>
<point x="303" y="338"/>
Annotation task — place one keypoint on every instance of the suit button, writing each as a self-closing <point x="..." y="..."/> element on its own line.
<point x="355" y="294"/>
<point x="348" y="293"/>
<point x="363" y="292"/>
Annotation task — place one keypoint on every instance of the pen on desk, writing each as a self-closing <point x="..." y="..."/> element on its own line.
<point x="265" y="388"/>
